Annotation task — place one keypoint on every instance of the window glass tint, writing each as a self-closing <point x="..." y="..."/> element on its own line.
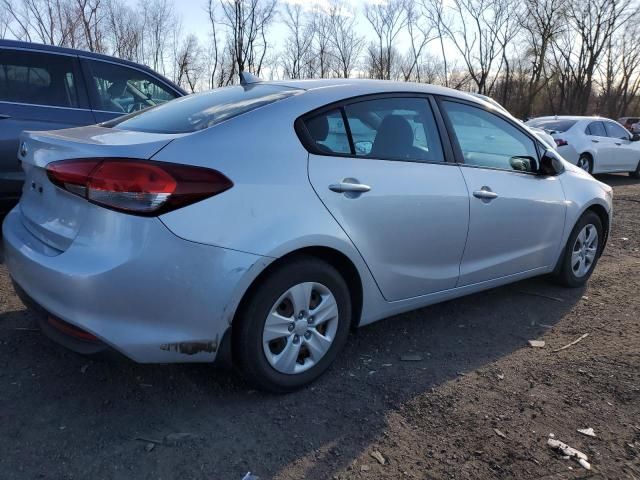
<point x="616" y="131"/>
<point x="596" y="129"/>
<point x="125" y="90"/>
<point x="396" y="129"/>
<point x="552" y="126"/>
<point x="202" y="110"/>
<point x="38" y="79"/>
<point x="487" y="140"/>
<point x="328" y="132"/>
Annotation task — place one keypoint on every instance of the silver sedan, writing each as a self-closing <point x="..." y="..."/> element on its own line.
<point x="261" y="222"/>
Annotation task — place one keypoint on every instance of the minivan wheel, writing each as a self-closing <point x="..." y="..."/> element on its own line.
<point x="585" y="163"/>
<point x="582" y="251"/>
<point x="293" y="326"/>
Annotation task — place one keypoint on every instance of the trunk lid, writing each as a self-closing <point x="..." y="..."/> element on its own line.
<point x="51" y="214"/>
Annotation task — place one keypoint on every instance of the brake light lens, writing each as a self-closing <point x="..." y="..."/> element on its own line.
<point x="139" y="187"/>
<point x="560" y="142"/>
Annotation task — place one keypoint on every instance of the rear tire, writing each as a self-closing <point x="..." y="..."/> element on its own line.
<point x="581" y="252"/>
<point x="585" y="162"/>
<point x="305" y="305"/>
<point x="636" y="172"/>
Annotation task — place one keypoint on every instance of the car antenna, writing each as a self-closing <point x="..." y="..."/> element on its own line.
<point x="247" y="78"/>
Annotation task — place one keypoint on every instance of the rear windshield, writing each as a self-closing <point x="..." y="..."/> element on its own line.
<point x="203" y="110"/>
<point x="552" y="125"/>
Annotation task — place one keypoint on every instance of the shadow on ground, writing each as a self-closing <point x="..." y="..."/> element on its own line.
<point x="62" y="415"/>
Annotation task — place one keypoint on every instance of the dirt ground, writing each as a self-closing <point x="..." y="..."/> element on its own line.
<point x="63" y="416"/>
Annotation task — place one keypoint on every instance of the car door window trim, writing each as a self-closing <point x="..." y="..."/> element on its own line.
<point x="307" y="142"/>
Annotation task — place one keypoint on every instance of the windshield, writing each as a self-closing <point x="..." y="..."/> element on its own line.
<point x="203" y="110"/>
<point x="553" y="126"/>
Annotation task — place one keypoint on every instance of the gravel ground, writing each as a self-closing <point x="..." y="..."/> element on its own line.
<point x="479" y="404"/>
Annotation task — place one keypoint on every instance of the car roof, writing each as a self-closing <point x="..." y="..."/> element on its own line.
<point x="366" y="86"/>
<point x="576" y="118"/>
<point x="39" y="47"/>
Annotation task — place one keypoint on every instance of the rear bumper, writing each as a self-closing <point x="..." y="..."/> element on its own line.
<point x="134" y="285"/>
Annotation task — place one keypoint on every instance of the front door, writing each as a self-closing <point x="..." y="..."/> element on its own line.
<point x="516" y="216"/>
<point x="624" y="152"/>
<point x="380" y="170"/>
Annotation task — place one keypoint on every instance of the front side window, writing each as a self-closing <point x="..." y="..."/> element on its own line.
<point x="616" y="131"/>
<point x="37" y="79"/>
<point x="123" y="90"/>
<point x="487" y="140"/>
<point x="596" y="129"/>
<point x="395" y="129"/>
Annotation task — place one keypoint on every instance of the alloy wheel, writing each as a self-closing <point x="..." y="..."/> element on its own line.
<point x="300" y="328"/>
<point x="584" y="250"/>
<point x="583" y="163"/>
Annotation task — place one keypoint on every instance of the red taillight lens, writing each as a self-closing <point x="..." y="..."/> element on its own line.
<point x="560" y="142"/>
<point x="140" y="187"/>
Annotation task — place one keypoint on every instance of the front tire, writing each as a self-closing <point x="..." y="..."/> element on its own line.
<point x="292" y="326"/>
<point x="582" y="251"/>
<point x="636" y="172"/>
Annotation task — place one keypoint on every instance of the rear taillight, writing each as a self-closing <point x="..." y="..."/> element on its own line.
<point x="139" y="187"/>
<point x="560" y="142"/>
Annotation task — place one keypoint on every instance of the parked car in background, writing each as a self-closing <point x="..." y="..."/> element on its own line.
<point x="595" y="144"/>
<point x="541" y="134"/>
<point x="46" y="88"/>
<point x="267" y="220"/>
<point x="630" y="123"/>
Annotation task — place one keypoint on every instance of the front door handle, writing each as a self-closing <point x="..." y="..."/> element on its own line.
<point x="618" y="144"/>
<point x="485" y="194"/>
<point x="349" y="185"/>
<point x="4" y="117"/>
<point x="595" y="141"/>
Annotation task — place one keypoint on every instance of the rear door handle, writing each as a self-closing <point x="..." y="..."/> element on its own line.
<point x="595" y="141"/>
<point x="485" y="193"/>
<point x="348" y="186"/>
<point x="619" y="144"/>
<point x="4" y="117"/>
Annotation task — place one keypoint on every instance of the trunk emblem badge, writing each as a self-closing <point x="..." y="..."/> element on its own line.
<point x="23" y="149"/>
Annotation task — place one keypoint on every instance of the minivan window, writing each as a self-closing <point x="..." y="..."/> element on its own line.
<point x="119" y="89"/>
<point x="37" y="79"/>
<point x="203" y="110"/>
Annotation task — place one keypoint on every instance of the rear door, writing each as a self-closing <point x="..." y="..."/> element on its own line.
<point x="379" y="166"/>
<point x="516" y="217"/>
<point x="116" y="90"/>
<point x="38" y="91"/>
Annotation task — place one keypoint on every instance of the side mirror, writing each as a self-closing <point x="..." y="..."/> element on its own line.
<point x="363" y="147"/>
<point x="524" y="164"/>
<point x="635" y="137"/>
<point x="550" y="164"/>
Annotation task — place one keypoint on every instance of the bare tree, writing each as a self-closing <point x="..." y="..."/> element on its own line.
<point x="248" y="21"/>
<point x="188" y="63"/>
<point x="124" y="30"/>
<point x="420" y="30"/>
<point x="90" y="15"/>
<point x="321" y="46"/>
<point x="298" y="42"/>
<point x="387" y="20"/>
<point x="345" y="41"/>
<point x="158" y="21"/>
<point x="46" y="21"/>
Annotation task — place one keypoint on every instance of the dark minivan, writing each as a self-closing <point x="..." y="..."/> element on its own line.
<point x="47" y="88"/>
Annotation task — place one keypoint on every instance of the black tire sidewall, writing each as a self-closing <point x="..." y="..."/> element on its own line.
<point x="566" y="275"/>
<point x="589" y="161"/>
<point x="248" y="349"/>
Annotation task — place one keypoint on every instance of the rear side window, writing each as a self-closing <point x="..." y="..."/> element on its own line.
<point x="596" y="129"/>
<point x="552" y="126"/>
<point x="119" y="89"/>
<point x="203" y="110"/>
<point x="392" y="128"/>
<point x="616" y="131"/>
<point x="38" y="79"/>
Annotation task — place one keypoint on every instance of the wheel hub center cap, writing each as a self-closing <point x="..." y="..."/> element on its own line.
<point x="301" y="326"/>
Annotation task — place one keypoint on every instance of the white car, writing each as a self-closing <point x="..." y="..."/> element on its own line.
<point x="595" y="144"/>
